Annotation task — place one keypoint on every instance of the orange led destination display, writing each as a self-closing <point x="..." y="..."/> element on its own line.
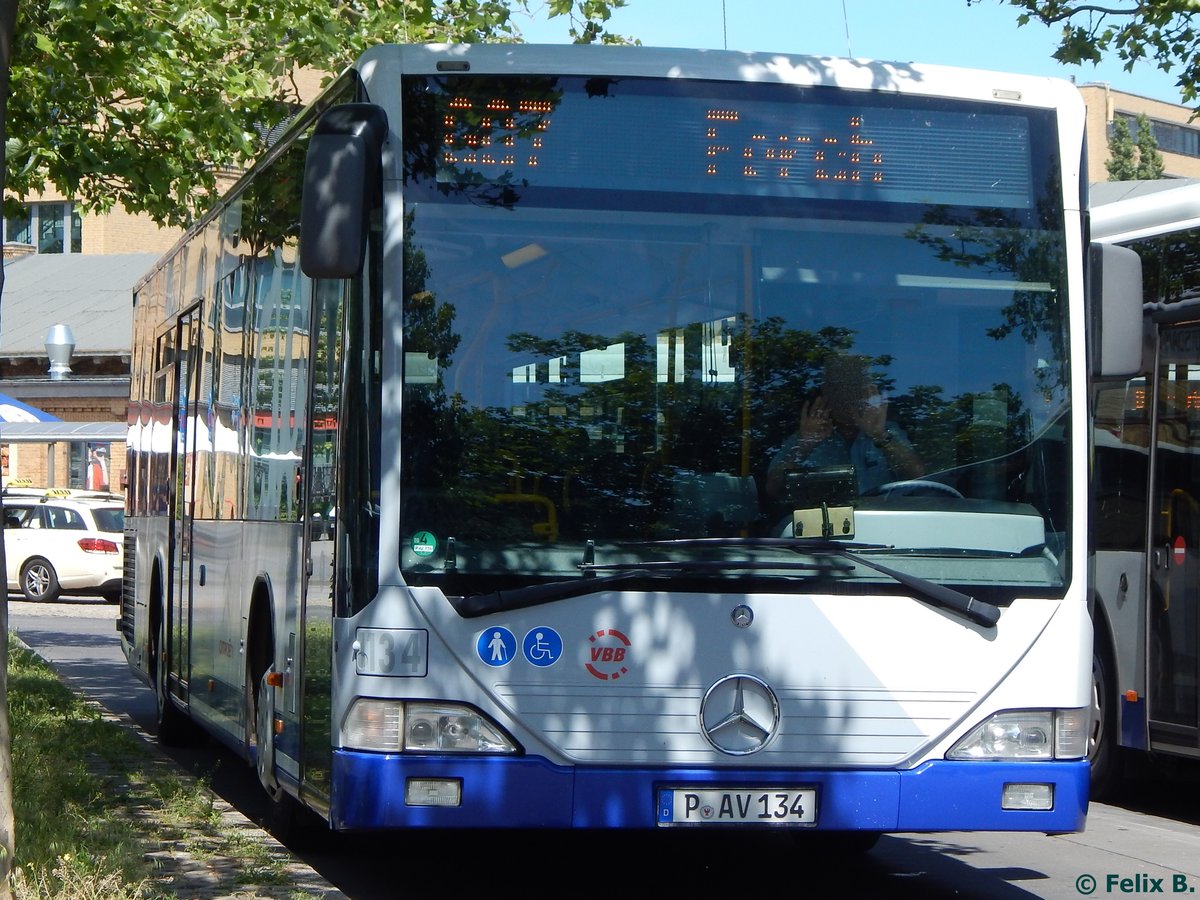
<point x="755" y="140"/>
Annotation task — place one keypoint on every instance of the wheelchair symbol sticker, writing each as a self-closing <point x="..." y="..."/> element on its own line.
<point x="542" y="646"/>
<point x="496" y="646"/>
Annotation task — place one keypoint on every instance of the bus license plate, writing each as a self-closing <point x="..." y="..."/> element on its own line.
<point x="745" y="806"/>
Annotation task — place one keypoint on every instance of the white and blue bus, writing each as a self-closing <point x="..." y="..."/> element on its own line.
<point x="1147" y="487"/>
<point x="482" y="474"/>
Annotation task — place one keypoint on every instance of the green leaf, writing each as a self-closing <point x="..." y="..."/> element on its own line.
<point x="153" y="98"/>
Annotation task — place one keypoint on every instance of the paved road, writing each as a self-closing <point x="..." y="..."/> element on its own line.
<point x="1149" y="843"/>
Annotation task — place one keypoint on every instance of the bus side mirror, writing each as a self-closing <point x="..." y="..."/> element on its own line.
<point x="341" y="183"/>
<point x="1115" y="301"/>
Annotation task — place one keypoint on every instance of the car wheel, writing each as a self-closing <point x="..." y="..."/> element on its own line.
<point x="39" y="581"/>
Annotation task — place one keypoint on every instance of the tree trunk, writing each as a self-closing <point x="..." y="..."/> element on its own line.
<point x="8" y="27"/>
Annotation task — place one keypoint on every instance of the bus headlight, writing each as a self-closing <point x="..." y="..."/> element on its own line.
<point x="1027" y="734"/>
<point x="393" y="726"/>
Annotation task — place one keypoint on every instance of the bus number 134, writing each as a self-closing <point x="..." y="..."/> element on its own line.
<point x="392" y="651"/>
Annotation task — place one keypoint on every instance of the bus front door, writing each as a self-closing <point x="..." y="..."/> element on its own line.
<point x="320" y="519"/>
<point x="1173" y="624"/>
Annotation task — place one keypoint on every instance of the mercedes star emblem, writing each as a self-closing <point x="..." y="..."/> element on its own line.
<point x="739" y="714"/>
<point x="742" y="615"/>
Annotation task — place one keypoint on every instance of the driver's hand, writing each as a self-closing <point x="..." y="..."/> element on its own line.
<point x="872" y="415"/>
<point x="816" y="424"/>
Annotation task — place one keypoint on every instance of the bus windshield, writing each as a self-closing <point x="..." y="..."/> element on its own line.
<point x="642" y="311"/>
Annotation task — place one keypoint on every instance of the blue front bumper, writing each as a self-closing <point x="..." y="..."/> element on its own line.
<point x="529" y="792"/>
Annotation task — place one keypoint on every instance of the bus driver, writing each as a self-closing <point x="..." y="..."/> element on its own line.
<point x="846" y="424"/>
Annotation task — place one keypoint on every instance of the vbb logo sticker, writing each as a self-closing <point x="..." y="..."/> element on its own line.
<point x="609" y="651"/>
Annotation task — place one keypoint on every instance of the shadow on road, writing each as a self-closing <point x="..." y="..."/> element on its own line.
<point x="1161" y="786"/>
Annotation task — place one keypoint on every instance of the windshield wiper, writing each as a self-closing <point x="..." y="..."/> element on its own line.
<point x="978" y="611"/>
<point x="550" y="591"/>
<point x="534" y="594"/>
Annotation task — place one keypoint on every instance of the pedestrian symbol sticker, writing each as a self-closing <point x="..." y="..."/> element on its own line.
<point x="496" y="646"/>
<point x="542" y="646"/>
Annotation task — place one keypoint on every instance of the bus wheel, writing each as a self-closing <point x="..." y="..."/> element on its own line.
<point x="291" y="822"/>
<point x="174" y="727"/>
<point x="259" y="715"/>
<point x="1102" y="749"/>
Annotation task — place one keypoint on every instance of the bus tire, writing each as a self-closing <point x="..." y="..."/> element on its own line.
<point x="1103" y="752"/>
<point x="259" y="714"/>
<point x="286" y="818"/>
<point x="174" y="727"/>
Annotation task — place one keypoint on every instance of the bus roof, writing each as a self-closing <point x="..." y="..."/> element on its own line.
<point x="630" y="60"/>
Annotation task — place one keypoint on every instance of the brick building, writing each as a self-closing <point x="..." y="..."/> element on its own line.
<point x="1178" y="137"/>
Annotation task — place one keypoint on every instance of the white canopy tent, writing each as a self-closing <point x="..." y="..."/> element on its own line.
<point x="51" y="433"/>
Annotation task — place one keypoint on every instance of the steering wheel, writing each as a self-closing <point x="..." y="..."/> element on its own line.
<point x="917" y="487"/>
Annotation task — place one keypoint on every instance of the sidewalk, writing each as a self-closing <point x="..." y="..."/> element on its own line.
<point x="193" y="872"/>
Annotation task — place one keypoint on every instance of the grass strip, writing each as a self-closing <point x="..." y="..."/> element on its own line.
<point x="95" y="807"/>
